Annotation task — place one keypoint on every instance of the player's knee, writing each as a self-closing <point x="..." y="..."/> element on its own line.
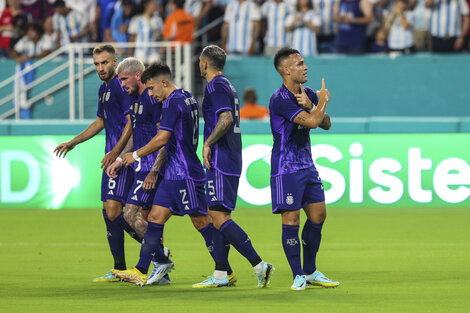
<point x="200" y="221"/>
<point x="113" y="212"/>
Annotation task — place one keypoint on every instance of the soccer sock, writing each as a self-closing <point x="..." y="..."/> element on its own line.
<point x="311" y="237"/>
<point x="226" y="251"/>
<point x="291" y="245"/>
<point x="151" y="246"/>
<point x="240" y="240"/>
<point x="115" y="236"/>
<point x="128" y="228"/>
<point x="215" y="245"/>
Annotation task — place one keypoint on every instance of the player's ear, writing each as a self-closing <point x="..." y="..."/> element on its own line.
<point x="138" y="75"/>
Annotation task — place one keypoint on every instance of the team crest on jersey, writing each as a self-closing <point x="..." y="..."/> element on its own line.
<point x="108" y="94"/>
<point x="136" y="106"/>
<point x="141" y="109"/>
<point x="289" y="199"/>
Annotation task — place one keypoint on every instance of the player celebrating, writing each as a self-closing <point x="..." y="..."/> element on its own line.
<point x="295" y="182"/>
<point x="181" y="192"/>
<point x="145" y="116"/>
<point x="222" y="153"/>
<point x="113" y="116"/>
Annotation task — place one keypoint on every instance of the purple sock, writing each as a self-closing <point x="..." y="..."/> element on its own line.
<point x="215" y="246"/>
<point x="291" y="245"/>
<point x="115" y="236"/>
<point x="128" y="228"/>
<point x="240" y="241"/>
<point x="151" y="246"/>
<point x="311" y="237"/>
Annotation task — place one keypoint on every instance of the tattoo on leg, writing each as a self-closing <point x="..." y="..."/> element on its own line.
<point x="135" y="220"/>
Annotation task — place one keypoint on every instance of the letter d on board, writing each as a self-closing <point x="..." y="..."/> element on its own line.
<point x="18" y="196"/>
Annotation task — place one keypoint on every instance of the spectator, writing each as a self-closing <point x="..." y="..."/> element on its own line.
<point x="241" y="26"/>
<point x="120" y="24"/>
<point x="252" y="110"/>
<point x="352" y="17"/>
<point x="86" y="8"/>
<point x="144" y="29"/>
<point x="198" y="9"/>
<point x="449" y="24"/>
<point x="31" y="46"/>
<point x="36" y="10"/>
<point x="102" y="18"/>
<point x="69" y="25"/>
<point x="421" y="26"/>
<point x="400" y="28"/>
<point x="275" y="13"/>
<point x="327" y="33"/>
<point x="380" y="12"/>
<point x="107" y="17"/>
<point x="379" y="45"/>
<point x="179" y="25"/>
<point x="12" y="26"/>
<point x="304" y="24"/>
<point x="50" y="35"/>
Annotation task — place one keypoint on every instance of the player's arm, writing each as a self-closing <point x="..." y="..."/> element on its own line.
<point x="366" y="8"/>
<point x="222" y="126"/>
<point x="157" y="142"/>
<point x="112" y="155"/>
<point x="151" y="179"/>
<point x="326" y="122"/>
<point x="315" y="118"/>
<point x="115" y="167"/>
<point x="93" y="129"/>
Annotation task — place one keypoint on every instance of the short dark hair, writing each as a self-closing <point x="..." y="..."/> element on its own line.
<point x="155" y="70"/>
<point x="104" y="47"/>
<point x="179" y="3"/>
<point x="59" y="3"/>
<point x="36" y="27"/>
<point x="215" y="55"/>
<point x="283" y="53"/>
<point x="249" y="95"/>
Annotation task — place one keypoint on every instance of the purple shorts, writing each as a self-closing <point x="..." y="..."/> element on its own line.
<point x="221" y="189"/>
<point x="138" y="195"/>
<point x="182" y="197"/>
<point x="117" y="188"/>
<point x="295" y="190"/>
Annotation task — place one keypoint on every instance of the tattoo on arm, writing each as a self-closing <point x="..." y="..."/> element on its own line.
<point x="301" y="116"/>
<point x="223" y="124"/>
<point x="159" y="160"/>
<point x="129" y="146"/>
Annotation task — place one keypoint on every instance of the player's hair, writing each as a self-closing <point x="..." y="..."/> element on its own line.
<point x="130" y="66"/>
<point x="282" y="54"/>
<point x="215" y="55"/>
<point x="104" y="47"/>
<point x="155" y="70"/>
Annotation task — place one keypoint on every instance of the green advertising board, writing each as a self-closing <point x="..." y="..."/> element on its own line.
<point x="368" y="170"/>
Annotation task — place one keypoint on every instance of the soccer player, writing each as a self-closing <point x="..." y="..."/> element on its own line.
<point x="295" y="183"/>
<point x="145" y="116"/>
<point x="222" y="153"/>
<point x="181" y="192"/>
<point x="113" y="116"/>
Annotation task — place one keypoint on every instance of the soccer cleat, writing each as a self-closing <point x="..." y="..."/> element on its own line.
<point x="212" y="282"/>
<point x="159" y="271"/>
<point x="263" y="278"/>
<point x="108" y="278"/>
<point x="232" y="280"/>
<point x="318" y="279"/>
<point x="165" y="280"/>
<point x="300" y="283"/>
<point x="133" y="276"/>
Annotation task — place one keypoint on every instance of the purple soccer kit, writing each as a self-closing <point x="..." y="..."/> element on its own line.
<point x="226" y="154"/>
<point x="113" y="106"/>
<point x="145" y="113"/>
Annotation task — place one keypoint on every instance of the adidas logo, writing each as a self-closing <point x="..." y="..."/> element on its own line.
<point x="214" y="198"/>
<point x="134" y="198"/>
<point x="186" y="207"/>
<point x="108" y="234"/>
<point x="110" y="192"/>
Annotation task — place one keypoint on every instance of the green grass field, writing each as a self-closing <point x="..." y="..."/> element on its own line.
<point x="387" y="260"/>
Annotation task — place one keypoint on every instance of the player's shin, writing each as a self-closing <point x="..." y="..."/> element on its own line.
<point x="131" y="231"/>
<point x="115" y="236"/>
<point x="291" y="245"/>
<point x="151" y="246"/>
<point x="311" y="237"/>
<point x="240" y="241"/>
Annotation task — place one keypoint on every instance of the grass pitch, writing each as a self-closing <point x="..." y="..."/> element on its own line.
<point x="387" y="260"/>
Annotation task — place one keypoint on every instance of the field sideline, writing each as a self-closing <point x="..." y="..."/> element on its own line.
<point x="388" y="260"/>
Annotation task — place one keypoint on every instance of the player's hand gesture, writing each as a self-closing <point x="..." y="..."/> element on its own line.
<point x="303" y="100"/>
<point x="108" y="159"/>
<point x="323" y="94"/>
<point x="113" y="169"/>
<point x="128" y="159"/>
<point x="206" y="155"/>
<point x="62" y="149"/>
<point x="150" y="181"/>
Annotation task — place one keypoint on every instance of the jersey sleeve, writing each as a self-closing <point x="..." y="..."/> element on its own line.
<point x="255" y="12"/>
<point x="312" y="95"/>
<point x="220" y="99"/>
<point x="100" y="112"/>
<point x="316" y="19"/>
<point x="228" y="10"/>
<point x="170" y="115"/>
<point x="156" y="110"/>
<point x="133" y="26"/>
<point x="20" y="46"/>
<point x="286" y="108"/>
<point x="125" y="102"/>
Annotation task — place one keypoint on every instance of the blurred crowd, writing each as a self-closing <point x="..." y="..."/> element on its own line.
<point x="33" y="28"/>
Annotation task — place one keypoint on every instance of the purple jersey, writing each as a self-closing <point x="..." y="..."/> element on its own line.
<point x="220" y="96"/>
<point x="145" y="114"/>
<point x="291" y="149"/>
<point x="113" y="106"/>
<point x="180" y="115"/>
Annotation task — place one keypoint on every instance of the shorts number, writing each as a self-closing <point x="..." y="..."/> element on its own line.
<point x="111" y="183"/>
<point x="210" y="186"/>
<point x="139" y="185"/>
<point x="236" y="126"/>
<point x="139" y="165"/>
<point x="183" y="196"/>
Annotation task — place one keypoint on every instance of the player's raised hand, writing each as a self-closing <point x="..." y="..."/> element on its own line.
<point x="150" y="181"/>
<point x="108" y="159"/>
<point x="303" y="100"/>
<point x="62" y="149"/>
<point x="128" y="159"/>
<point x="323" y="94"/>
<point x="113" y="169"/>
<point x="206" y="156"/>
